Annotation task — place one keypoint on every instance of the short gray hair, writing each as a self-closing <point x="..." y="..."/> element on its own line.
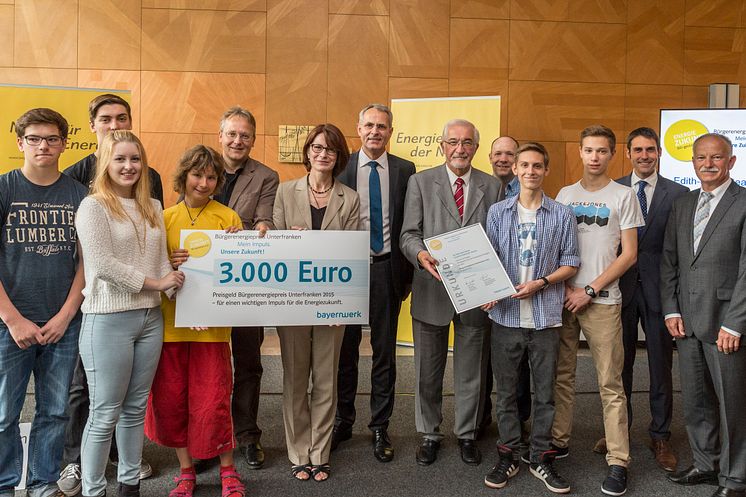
<point x="238" y="111"/>
<point x="722" y="138"/>
<point x="379" y="107"/>
<point x="460" y="122"/>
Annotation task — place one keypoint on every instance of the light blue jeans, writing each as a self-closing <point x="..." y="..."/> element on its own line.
<point x="52" y="366"/>
<point x="120" y="352"/>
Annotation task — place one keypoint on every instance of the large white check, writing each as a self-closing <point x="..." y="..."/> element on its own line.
<point x="469" y="267"/>
<point x="286" y="278"/>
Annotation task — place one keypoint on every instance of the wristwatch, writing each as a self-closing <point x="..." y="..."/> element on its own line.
<point x="590" y="291"/>
<point x="546" y="282"/>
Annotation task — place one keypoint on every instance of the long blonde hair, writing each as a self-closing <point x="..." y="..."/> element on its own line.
<point x="102" y="189"/>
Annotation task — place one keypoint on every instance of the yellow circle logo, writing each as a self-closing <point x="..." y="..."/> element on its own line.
<point x="680" y="136"/>
<point x="198" y="244"/>
<point x="436" y="244"/>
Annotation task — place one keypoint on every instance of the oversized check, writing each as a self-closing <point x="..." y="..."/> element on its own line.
<point x="469" y="267"/>
<point x="286" y="278"/>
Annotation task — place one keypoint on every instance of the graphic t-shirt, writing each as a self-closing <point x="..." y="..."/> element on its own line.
<point x="601" y="216"/>
<point x="37" y="243"/>
<point x="527" y="242"/>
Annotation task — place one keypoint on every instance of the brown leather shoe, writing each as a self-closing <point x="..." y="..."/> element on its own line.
<point x="600" y="447"/>
<point x="664" y="455"/>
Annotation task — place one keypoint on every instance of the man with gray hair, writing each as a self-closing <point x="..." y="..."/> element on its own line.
<point x="381" y="181"/>
<point x="444" y="198"/>
<point x="249" y="189"/>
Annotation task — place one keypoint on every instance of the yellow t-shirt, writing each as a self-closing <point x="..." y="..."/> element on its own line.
<point x="216" y="216"/>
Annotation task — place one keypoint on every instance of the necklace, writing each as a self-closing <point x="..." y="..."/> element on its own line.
<point x="317" y="192"/>
<point x="194" y="219"/>
<point x="142" y="245"/>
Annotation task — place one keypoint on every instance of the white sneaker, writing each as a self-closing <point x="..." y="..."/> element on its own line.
<point x="146" y="470"/>
<point x="69" y="482"/>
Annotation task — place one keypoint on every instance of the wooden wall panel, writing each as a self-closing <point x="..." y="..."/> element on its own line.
<point x="559" y="111"/>
<point x="243" y="5"/>
<point x="358" y="67"/>
<point x="46" y="33"/>
<point x="611" y="11"/>
<point x="164" y="151"/>
<point x="655" y="42"/>
<point x="100" y="46"/>
<point x="364" y="7"/>
<point x="715" y="13"/>
<point x="7" y="13"/>
<point x="418" y="46"/>
<point x="184" y="102"/>
<point x="559" y="65"/>
<point x="556" y="179"/>
<point x="297" y="39"/>
<point x="417" y="88"/>
<point x="714" y="55"/>
<point x="481" y="9"/>
<point x="115" y="80"/>
<point x="643" y="104"/>
<point x="215" y="41"/>
<point x="555" y="51"/>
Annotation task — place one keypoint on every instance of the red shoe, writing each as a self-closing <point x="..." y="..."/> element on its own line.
<point x="185" y="484"/>
<point x="231" y="483"/>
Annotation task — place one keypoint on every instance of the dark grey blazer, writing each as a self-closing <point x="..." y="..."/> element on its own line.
<point x="707" y="288"/>
<point x="399" y="172"/>
<point x="650" y="244"/>
<point x="430" y="210"/>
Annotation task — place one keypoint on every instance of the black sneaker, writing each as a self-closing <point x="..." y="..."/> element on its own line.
<point x="561" y="452"/>
<point x="545" y="472"/>
<point x="506" y="467"/>
<point x="615" y="482"/>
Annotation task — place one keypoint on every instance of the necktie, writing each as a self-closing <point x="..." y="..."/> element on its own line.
<point x="643" y="199"/>
<point x="376" y="210"/>
<point x="701" y="216"/>
<point x="458" y="196"/>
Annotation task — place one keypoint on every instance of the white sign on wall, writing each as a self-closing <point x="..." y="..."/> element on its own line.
<point x="25" y="432"/>
<point x="679" y="129"/>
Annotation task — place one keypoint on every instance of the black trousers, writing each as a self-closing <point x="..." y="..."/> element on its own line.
<point x="660" y="357"/>
<point x="523" y="389"/>
<point x="247" y="381"/>
<point x="384" y="319"/>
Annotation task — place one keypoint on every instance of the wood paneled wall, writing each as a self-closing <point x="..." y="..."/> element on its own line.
<point x="558" y="64"/>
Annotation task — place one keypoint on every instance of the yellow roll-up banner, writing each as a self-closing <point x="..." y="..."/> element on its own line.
<point x="72" y="103"/>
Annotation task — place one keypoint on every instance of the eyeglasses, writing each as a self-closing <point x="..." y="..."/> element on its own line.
<point x="317" y="149"/>
<point x="464" y="143"/>
<point x="232" y="135"/>
<point x="35" y="141"/>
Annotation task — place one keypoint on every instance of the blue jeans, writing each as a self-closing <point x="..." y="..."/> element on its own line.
<point x="120" y="352"/>
<point x="52" y="366"/>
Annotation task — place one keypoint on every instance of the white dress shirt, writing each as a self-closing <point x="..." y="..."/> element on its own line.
<point x="466" y="177"/>
<point x="651" y="181"/>
<point x="363" y="190"/>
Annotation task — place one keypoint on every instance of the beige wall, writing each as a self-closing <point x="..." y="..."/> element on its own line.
<point x="559" y="65"/>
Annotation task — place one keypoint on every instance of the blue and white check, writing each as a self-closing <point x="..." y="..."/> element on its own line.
<point x="556" y="245"/>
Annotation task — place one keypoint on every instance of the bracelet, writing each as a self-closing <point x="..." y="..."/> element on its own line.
<point x="546" y="282"/>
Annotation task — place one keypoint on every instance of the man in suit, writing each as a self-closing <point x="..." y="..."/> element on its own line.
<point x="249" y="189"/>
<point x="382" y="189"/>
<point x="703" y="299"/>
<point x="441" y="199"/>
<point x="640" y="287"/>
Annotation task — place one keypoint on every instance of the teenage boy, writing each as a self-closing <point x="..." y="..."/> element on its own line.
<point x="608" y="215"/>
<point x="41" y="279"/>
<point x="536" y="240"/>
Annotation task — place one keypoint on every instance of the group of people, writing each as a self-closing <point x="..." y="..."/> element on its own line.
<point x="89" y="266"/>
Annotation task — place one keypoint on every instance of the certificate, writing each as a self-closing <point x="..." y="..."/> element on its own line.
<point x="285" y="278"/>
<point x="469" y="267"/>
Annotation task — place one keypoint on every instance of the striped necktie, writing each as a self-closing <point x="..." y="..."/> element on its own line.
<point x="458" y="196"/>
<point x="701" y="216"/>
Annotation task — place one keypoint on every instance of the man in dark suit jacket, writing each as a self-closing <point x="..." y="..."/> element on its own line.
<point x="390" y="276"/>
<point x="640" y="287"/>
<point x="249" y="189"/>
<point x="703" y="299"/>
<point x="439" y="200"/>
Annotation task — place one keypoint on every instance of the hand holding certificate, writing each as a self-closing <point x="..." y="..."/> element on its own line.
<point x="469" y="268"/>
